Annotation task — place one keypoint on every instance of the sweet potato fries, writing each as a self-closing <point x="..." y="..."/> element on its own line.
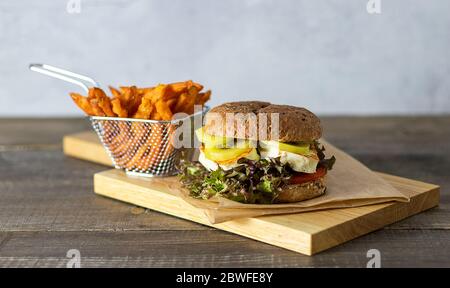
<point x="156" y="103"/>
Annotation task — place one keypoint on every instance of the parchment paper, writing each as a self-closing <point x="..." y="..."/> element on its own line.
<point x="349" y="184"/>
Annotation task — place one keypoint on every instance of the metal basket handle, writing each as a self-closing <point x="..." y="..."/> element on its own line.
<point x="64" y="75"/>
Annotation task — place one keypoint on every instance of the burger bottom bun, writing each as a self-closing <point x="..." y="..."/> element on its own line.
<point x="302" y="192"/>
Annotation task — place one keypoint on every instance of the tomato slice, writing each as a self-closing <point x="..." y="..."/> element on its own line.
<point x="300" y="178"/>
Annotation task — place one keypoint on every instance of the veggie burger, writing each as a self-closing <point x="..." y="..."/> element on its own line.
<point x="283" y="162"/>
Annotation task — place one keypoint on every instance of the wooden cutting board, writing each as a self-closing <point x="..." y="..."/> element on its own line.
<point x="307" y="233"/>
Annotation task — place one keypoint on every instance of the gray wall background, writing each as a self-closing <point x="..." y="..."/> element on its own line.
<point x="328" y="55"/>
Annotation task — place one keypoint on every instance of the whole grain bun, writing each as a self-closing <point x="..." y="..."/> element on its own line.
<point x="301" y="192"/>
<point x="240" y="107"/>
<point x="295" y="123"/>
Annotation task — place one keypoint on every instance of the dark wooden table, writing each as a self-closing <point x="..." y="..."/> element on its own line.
<point x="47" y="206"/>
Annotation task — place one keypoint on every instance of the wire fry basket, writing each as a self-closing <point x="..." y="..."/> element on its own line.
<point x="140" y="147"/>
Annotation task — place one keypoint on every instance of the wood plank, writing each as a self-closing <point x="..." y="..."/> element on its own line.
<point x="60" y="198"/>
<point x="215" y="248"/>
<point x="393" y="135"/>
<point x="46" y="191"/>
<point x="37" y="132"/>
<point x="357" y="135"/>
<point x="410" y="166"/>
<point x="86" y="146"/>
<point x="306" y="233"/>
